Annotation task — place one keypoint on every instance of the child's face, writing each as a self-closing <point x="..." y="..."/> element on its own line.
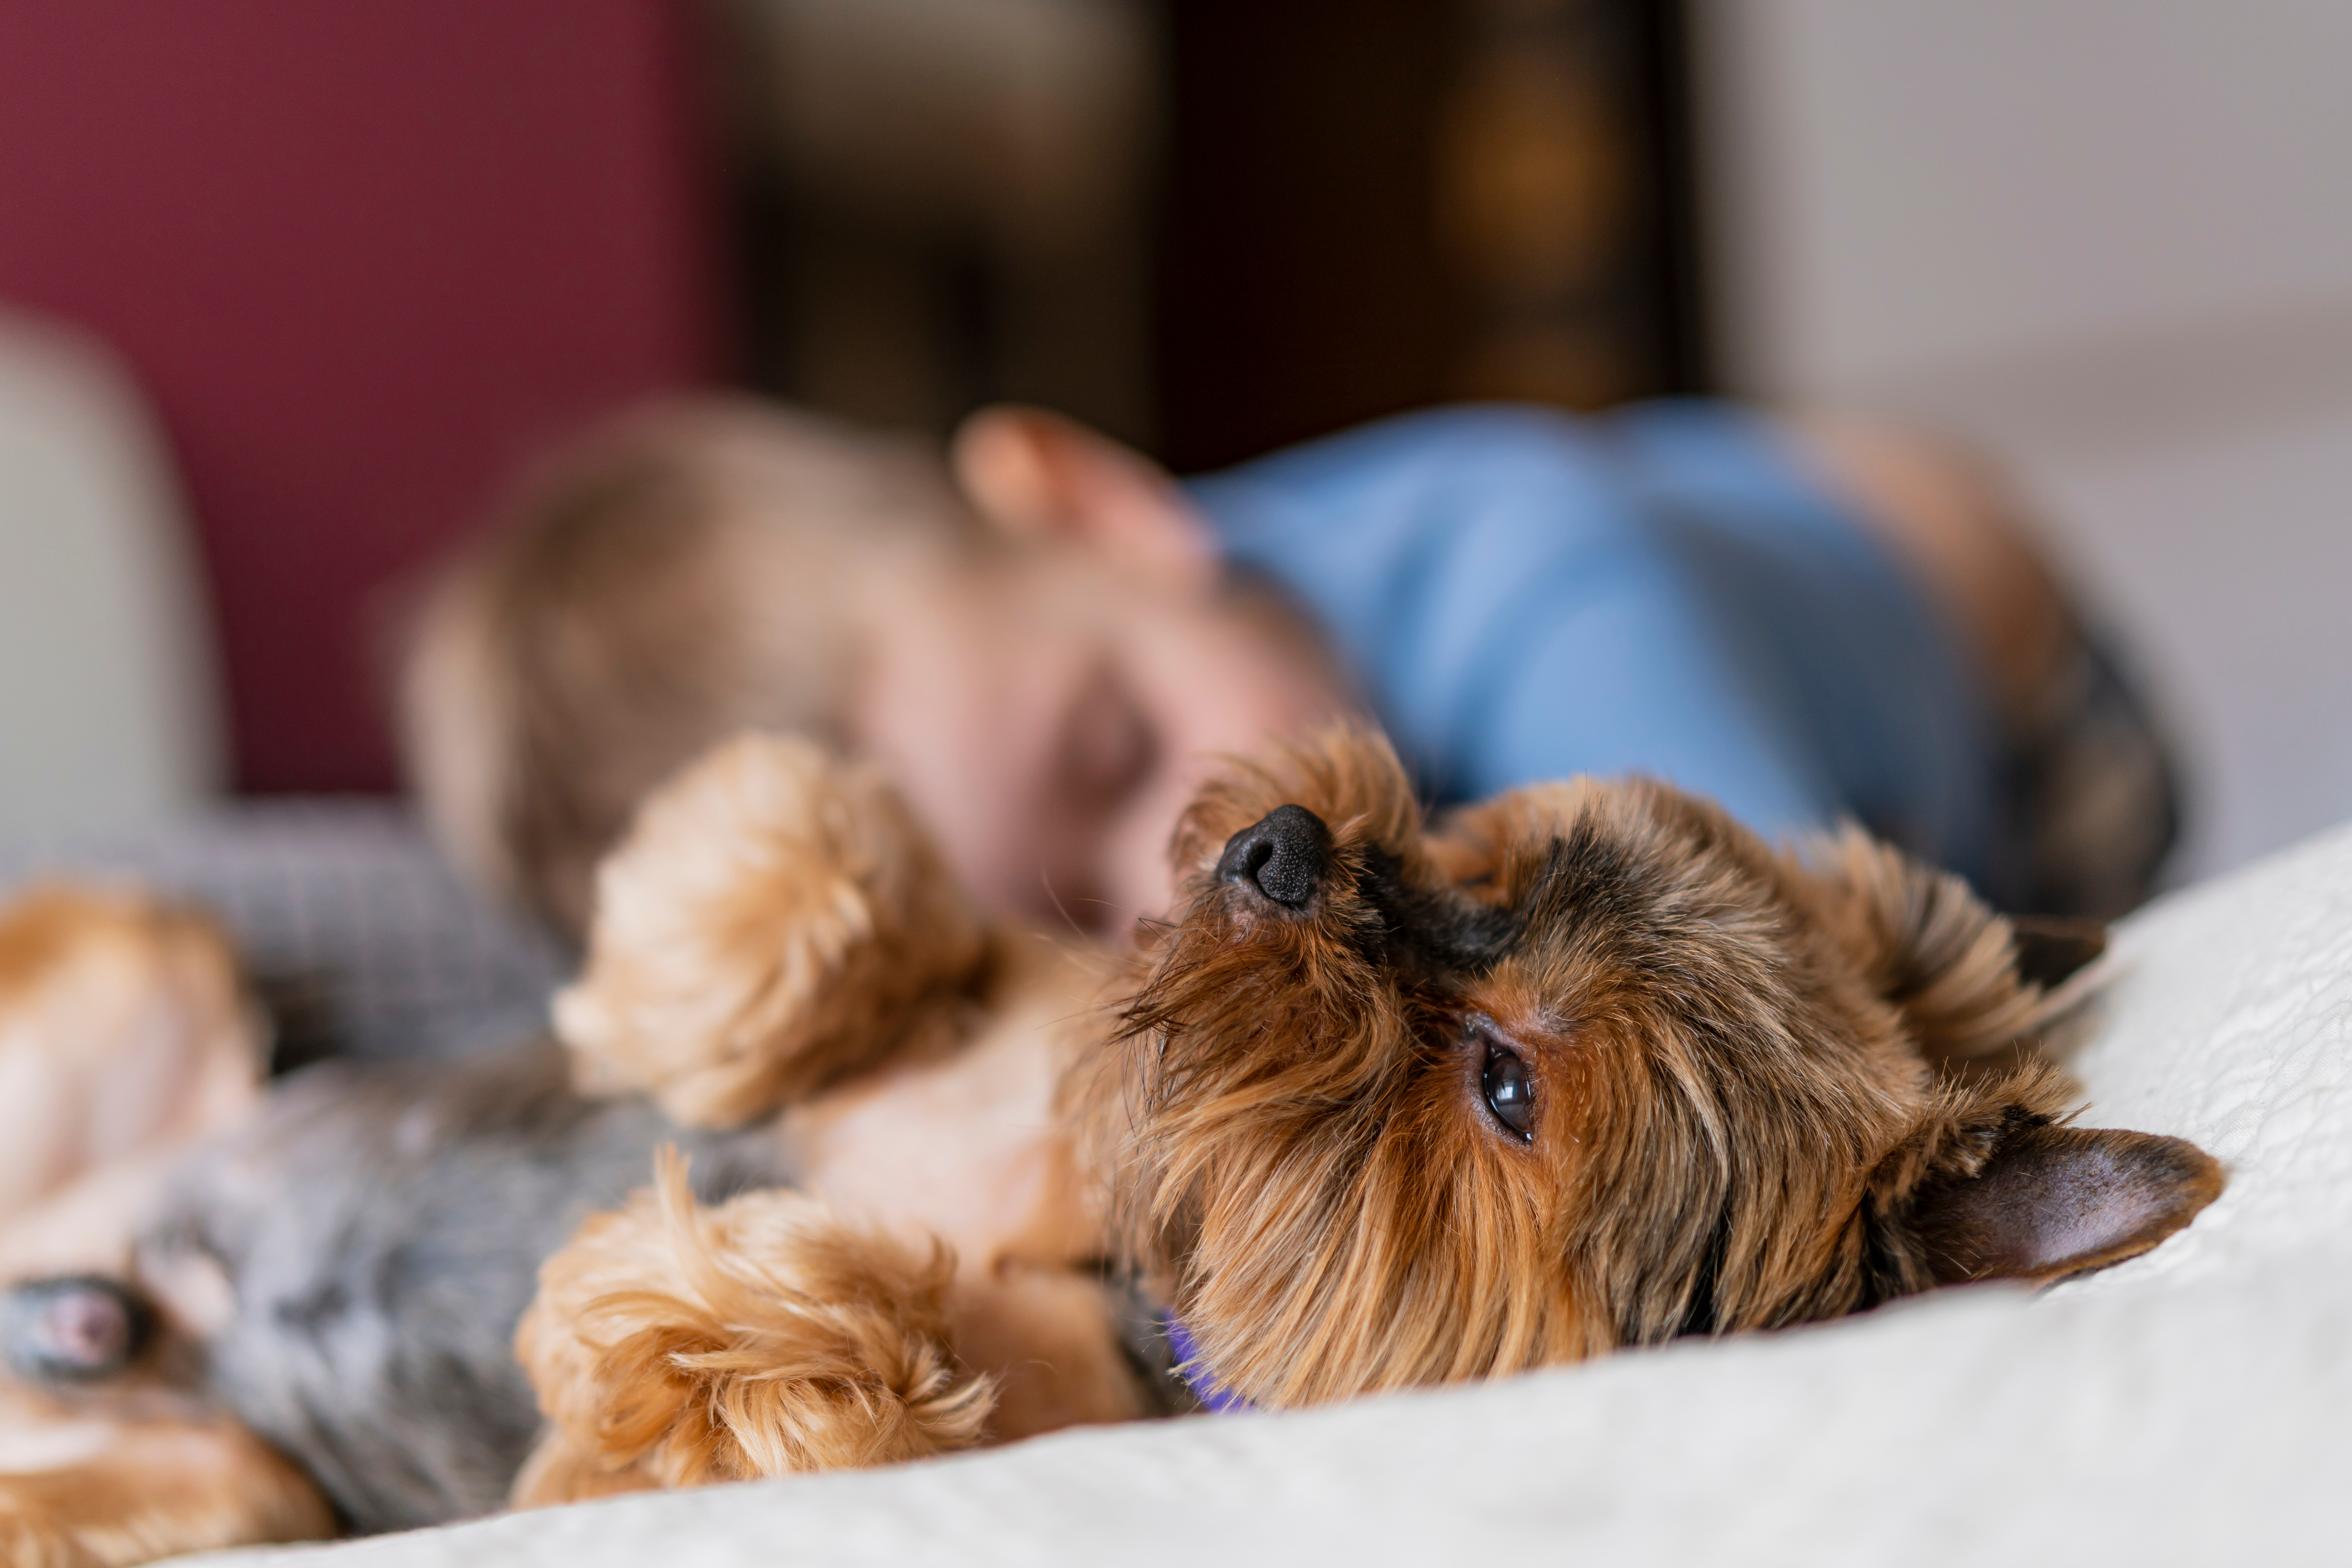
<point x="1050" y="714"/>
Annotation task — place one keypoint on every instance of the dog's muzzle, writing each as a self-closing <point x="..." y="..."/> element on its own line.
<point x="1283" y="855"/>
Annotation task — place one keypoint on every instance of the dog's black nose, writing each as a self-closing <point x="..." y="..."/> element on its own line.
<point x="1284" y="855"/>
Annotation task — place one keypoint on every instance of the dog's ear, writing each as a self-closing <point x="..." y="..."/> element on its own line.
<point x="1969" y="982"/>
<point x="775" y="921"/>
<point x="2048" y="1201"/>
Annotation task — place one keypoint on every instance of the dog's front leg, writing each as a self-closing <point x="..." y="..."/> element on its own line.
<point x="674" y="1344"/>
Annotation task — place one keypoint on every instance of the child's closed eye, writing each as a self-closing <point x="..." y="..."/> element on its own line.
<point x="1108" y="746"/>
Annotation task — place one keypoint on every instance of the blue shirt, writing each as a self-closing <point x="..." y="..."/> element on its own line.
<point x="1525" y="596"/>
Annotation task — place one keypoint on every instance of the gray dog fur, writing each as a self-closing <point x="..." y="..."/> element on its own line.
<point x="381" y="1228"/>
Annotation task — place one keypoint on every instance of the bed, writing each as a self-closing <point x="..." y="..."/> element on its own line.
<point x="2194" y="1405"/>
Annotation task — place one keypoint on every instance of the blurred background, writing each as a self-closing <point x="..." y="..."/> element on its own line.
<point x="287" y="291"/>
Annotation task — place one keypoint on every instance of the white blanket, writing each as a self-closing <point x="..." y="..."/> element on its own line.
<point x="2192" y="1407"/>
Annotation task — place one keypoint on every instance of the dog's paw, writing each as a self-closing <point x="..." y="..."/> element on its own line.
<point x="775" y="921"/>
<point x="674" y="1344"/>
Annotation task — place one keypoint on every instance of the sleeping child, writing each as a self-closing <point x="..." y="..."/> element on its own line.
<point x="1047" y="641"/>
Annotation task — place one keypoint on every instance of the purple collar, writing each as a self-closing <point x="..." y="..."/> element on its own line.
<point x="1213" y="1396"/>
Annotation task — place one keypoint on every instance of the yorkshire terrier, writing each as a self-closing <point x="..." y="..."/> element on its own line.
<point x="1384" y="1103"/>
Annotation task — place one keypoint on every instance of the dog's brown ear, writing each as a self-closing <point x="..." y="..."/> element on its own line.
<point x="2051" y="1201"/>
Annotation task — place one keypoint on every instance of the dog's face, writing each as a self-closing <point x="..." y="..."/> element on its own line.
<point x="1588" y="1066"/>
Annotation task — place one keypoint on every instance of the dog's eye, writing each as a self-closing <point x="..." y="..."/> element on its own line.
<point x="1510" y="1092"/>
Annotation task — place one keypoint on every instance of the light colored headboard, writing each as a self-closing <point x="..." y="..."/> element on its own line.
<point x="110" y="713"/>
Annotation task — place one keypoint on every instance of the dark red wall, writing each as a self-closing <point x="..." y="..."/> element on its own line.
<point x="362" y="253"/>
<point x="1300" y="285"/>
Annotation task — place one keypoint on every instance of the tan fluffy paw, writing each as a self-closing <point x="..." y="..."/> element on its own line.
<point x="674" y="1344"/>
<point x="775" y="922"/>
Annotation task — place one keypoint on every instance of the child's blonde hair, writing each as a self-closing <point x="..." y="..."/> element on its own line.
<point x="674" y="577"/>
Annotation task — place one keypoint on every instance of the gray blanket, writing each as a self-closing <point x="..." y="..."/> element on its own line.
<point x="361" y="941"/>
